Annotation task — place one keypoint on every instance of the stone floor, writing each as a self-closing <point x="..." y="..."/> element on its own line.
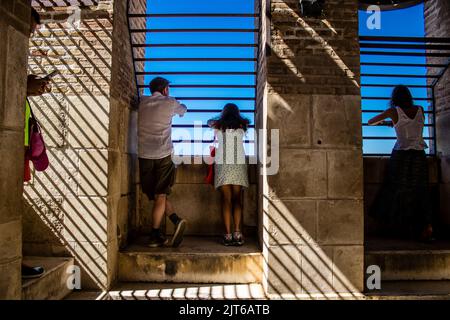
<point x="392" y="290"/>
<point x="196" y="245"/>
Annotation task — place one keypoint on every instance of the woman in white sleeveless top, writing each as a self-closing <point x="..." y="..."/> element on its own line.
<point x="403" y="205"/>
<point x="230" y="169"/>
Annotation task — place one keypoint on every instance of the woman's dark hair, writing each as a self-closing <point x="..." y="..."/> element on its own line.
<point x="401" y="97"/>
<point x="35" y="15"/>
<point x="230" y="118"/>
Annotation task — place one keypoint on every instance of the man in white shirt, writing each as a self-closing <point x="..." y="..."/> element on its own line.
<point x="157" y="170"/>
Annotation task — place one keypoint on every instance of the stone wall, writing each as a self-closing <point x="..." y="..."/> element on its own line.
<point x="85" y="197"/>
<point x="437" y="24"/>
<point x="200" y="204"/>
<point x="14" y="33"/>
<point x="313" y="208"/>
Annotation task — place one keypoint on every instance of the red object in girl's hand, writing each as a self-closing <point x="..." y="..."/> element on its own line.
<point x="209" y="179"/>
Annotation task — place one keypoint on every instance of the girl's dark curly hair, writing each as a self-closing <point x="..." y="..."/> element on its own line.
<point x="401" y="97"/>
<point x="230" y="118"/>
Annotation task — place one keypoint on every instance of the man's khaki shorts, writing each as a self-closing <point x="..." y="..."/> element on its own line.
<point x="157" y="176"/>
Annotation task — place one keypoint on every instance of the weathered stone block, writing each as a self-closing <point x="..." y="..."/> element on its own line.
<point x="337" y="121"/>
<point x="11" y="175"/>
<point x="292" y="221"/>
<point x="127" y="164"/>
<point x="302" y="173"/>
<point x="11" y="240"/>
<point x="43" y="222"/>
<point x="345" y="174"/>
<point x="316" y="269"/>
<point x="51" y="113"/>
<point x="88" y="121"/>
<point x="85" y="219"/>
<point x="443" y="132"/>
<point x="284" y="272"/>
<point x="348" y="269"/>
<point x="340" y="222"/>
<point x="92" y="259"/>
<point x="123" y="219"/>
<point x="15" y="79"/>
<point x="290" y="114"/>
<point x="59" y="179"/>
<point x="132" y="137"/>
<point x="10" y="280"/>
<point x="93" y="173"/>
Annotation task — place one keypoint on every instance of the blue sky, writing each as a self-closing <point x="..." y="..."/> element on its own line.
<point x="204" y="6"/>
<point x="405" y="22"/>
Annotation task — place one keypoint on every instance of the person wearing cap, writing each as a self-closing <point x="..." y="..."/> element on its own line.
<point x="36" y="86"/>
<point x="157" y="170"/>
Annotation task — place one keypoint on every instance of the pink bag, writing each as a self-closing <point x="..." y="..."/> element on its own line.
<point x="37" y="152"/>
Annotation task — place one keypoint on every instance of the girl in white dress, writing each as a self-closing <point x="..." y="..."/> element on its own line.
<point x="230" y="169"/>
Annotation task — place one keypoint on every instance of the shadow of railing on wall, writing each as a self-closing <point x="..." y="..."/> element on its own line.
<point x="71" y="196"/>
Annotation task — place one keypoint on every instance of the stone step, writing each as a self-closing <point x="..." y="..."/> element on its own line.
<point x="184" y="291"/>
<point x="411" y="290"/>
<point x="197" y="260"/>
<point x="409" y="260"/>
<point x="53" y="283"/>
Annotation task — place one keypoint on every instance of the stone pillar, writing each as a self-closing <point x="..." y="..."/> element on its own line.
<point x="437" y="24"/>
<point x="79" y="206"/>
<point x="312" y="209"/>
<point x="14" y="33"/>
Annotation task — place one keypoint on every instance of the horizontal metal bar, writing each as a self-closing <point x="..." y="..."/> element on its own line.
<point x="191" y="30"/>
<point x="379" y="111"/>
<point x="204" y="141"/>
<point x="405" y="39"/>
<point x="405" y="46"/>
<point x="381" y="75"/>
<point x="194" y="126"/>
<point x="196" y="45"/>
<point x="215" y="111"/>
<point x="243" y="86"/>
<point x="141" y="73"/>
<point x="365" y="124"/>
<point x="389" y="98"/>
<point x="196" y="59"/>
<point x="382" y="64"/>
<point x="193" y="15"/>
<point x="390" y="138"/>
<point x="393" y="85"/>
<point x="405" y="54"/>
<point x="216" y="98"/>
<point x="388" y="155"/>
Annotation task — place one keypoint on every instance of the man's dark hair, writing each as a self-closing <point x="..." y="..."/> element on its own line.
<point x="35" y="15"/>
<point x="158" y="84"/>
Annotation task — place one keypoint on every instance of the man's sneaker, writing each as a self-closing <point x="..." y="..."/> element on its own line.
<point x="157" y="240"/>
<point x="227" y="239"/>
<point x="238" y="239"/>
<point x="180" y="226"/>
<point x="32" y="272"/>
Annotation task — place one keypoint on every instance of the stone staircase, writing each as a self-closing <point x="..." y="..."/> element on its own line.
<point x="53" y="284"/>
<point x="408" y="260"/>
<point x="197" y="260"/>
